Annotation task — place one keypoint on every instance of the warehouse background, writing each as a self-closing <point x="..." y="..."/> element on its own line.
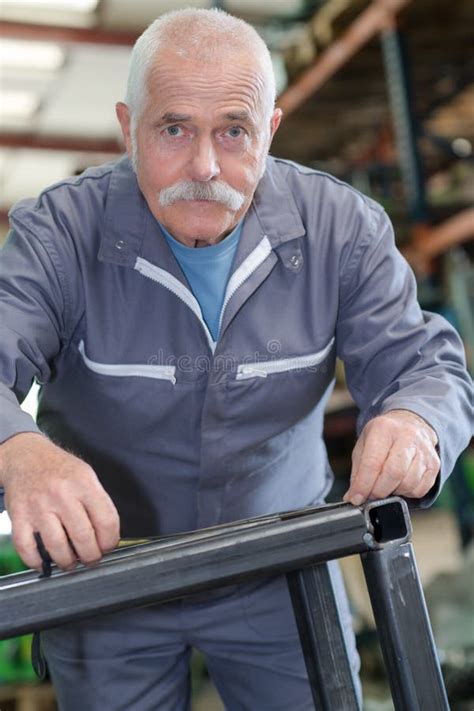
<point x="379" y="93"/>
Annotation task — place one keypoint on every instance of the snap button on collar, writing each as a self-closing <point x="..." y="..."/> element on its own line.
<point x="294" y="261"/>
<point x="291" y="255"/>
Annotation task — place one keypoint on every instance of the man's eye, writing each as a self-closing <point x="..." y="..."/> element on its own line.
<point x="235" y="132"/>
<point x="173" y="131"/>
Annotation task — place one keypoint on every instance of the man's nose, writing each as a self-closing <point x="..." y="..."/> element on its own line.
<point x="204" y="163"/>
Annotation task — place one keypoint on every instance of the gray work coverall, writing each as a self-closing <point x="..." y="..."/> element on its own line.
<point x="185" y="432"/>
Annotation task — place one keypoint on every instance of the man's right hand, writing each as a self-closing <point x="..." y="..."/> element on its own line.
<point x="53" y="492"/>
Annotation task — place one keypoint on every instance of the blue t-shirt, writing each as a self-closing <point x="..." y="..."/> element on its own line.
<point x="207" y="270"/>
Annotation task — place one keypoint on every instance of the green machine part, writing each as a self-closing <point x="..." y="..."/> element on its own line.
<point x="15" y="654"/>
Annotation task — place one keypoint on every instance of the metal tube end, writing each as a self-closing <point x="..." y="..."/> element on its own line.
<point x="388" y="521"/>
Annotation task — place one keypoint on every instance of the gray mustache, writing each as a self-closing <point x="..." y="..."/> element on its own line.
<point x="192" y="190"/>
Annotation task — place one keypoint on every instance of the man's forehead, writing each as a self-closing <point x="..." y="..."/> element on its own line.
<point x="173" y="73"/>
<point x="182" y="96"/>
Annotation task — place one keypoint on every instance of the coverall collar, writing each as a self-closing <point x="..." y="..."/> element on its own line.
<point x="130" y="229"/>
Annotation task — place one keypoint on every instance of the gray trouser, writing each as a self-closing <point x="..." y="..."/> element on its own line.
<point x="138" y="660"/>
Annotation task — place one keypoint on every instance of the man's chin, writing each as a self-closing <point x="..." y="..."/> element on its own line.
<point x="200" y="222"/>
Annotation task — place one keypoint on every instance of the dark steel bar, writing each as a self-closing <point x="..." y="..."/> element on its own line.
<point x="404" y="629"/>
<point x="322" y="639"/>
<point x="175" y="567"/>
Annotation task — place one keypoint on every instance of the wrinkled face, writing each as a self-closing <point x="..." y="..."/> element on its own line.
<point x="200" y="144"/>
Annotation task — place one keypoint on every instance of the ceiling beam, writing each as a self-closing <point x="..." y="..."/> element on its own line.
<point x="71" y="35"/>
<point x="368" y="24"/>
<point x="60" y="143"/>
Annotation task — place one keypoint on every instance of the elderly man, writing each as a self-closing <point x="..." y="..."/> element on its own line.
<point x="185" y="387"/>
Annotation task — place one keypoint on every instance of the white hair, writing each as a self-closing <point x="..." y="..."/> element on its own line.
<point x="198" y="33"/>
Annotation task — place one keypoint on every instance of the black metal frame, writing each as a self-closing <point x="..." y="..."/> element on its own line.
<point x="322" y="638"/>
<point x="297" y="543"/>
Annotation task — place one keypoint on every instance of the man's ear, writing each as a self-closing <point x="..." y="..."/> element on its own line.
<point x="275" y="122"/>
<point x="123" y="115"/>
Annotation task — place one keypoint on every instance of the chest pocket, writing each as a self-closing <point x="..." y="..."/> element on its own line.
<point x="156" y="372"/>
<point x="264" y="368"/>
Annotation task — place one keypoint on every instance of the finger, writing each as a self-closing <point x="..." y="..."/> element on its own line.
<point x="375" y="449"/>
<point x="104" y="518"/>
<point x="82" y="535"/>
<point x="413" y="477"/>
<point x="394" y="470"/>
<point x="25" y="544"/>
<point x="425" y="477"/>
<point x="355" y="457"/>
<point x="55" y="541"/>
<point x="427" y="482"/>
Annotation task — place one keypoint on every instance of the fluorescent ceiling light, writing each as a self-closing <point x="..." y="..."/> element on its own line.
<point x="5" y="524"/>
<point x="72" y="5"/>
<point x="43" y="56"/>
<point x="270" y="8"/>
<point x="18" y="105"/>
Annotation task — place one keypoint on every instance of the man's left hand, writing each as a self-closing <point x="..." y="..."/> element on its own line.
<point x="395" y="454"/>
